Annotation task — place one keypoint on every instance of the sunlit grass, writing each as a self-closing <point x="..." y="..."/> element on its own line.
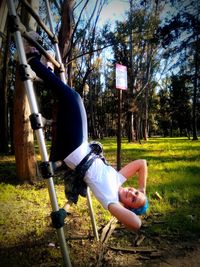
<point x="174" y="173"/>
<point x="22" y="208"/>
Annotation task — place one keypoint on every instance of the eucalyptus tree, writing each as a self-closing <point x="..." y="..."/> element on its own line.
<point x="134" y="47"/>
<point x="86" y="58"/>
<point x="164" y="116"/>
<point x="179" y="35"/>
<point x="23" y="137"/>
<point x="109" y="100"/>
<point x="78" y="40"/>
<point x="180" y="104"/>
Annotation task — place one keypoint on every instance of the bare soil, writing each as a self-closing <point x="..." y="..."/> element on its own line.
<point x="122" y="248"/>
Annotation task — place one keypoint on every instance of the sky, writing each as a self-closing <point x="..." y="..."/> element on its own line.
<point x="112" y="11"/>
<point x="115" y="10"/>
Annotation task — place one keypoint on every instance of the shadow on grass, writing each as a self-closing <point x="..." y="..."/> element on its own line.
<point x="32" y="252"/>
<point x="44" y="251"/>
<point x="8" y="173"/>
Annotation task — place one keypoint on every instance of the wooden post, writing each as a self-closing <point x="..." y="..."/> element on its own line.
<point x="119" y="130"/>
<point x="121" y="84"/>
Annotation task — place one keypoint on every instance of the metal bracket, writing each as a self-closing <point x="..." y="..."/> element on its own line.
<point x="53" y="39"/>
<point x="26" y="73"/>
<point x="46" y="169"/>
<point x="15" y="24"/>
<point x="58" y="218"/>
<point x="62" y="68"/>
<point x="36" y="121"/>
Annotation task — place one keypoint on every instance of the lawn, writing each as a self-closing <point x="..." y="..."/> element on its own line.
<point x="172" y="189"/>
<point x="174" y="173"/>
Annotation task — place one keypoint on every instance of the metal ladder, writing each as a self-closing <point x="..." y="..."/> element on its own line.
<point x="36" y="116"/>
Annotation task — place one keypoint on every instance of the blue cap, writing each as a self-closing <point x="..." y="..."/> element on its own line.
<point x="141" y="210"/>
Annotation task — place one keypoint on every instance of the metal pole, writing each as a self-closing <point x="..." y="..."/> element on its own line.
<point x="3" y="17"/>
<point x="94" y="227"/>
<point x="119" y="130"/>
<point x="58" y="56"/>
<point x="39" y="134"/>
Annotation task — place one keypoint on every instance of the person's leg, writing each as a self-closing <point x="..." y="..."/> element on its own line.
<point x="71" y="124"/>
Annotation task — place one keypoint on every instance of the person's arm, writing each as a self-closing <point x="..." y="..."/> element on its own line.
<point x="138" y="167"/>
<point x="125" y="216"/>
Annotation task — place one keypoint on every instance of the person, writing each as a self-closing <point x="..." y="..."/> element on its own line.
<point x="72" y="145"/>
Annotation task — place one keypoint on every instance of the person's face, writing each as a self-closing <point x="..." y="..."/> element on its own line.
<point x="131" y="197"/>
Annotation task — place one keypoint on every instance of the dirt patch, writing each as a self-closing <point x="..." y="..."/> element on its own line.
<point x="122" y="248"/>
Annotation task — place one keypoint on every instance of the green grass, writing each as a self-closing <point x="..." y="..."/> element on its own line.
<point x="22" y="208"/>
<point x="174" y="172"/>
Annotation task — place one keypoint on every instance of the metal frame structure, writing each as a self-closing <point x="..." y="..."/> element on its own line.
<point x="19" y="31"/>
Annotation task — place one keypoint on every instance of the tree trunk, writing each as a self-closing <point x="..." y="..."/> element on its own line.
<point x="147" y="78"/>
<point x="65" y="34"/>
<point x="131" y="127"/>
<point x="23" y="135"/>
<point x="146" y="114"/>
<point x="23" y="138"/>
<point x="194" y="118"/>
<point x="91" y="114"/>
<point x="65" y="31"/>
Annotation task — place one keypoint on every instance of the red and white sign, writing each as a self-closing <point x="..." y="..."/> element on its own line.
<point x="121" y="77"/>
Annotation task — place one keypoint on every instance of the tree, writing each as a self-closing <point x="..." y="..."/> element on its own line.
<point x="153" y="112"/>
<point x="180" y="39"/>
<point x="134" y="47"/>
<point x="26" y="166"/>
<point x="65" y="35"/>
<point x="164" y="117"/>
<point x="180" y="104"/>
<point x="85" y="44"/>
<point x="85" y="57"/>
